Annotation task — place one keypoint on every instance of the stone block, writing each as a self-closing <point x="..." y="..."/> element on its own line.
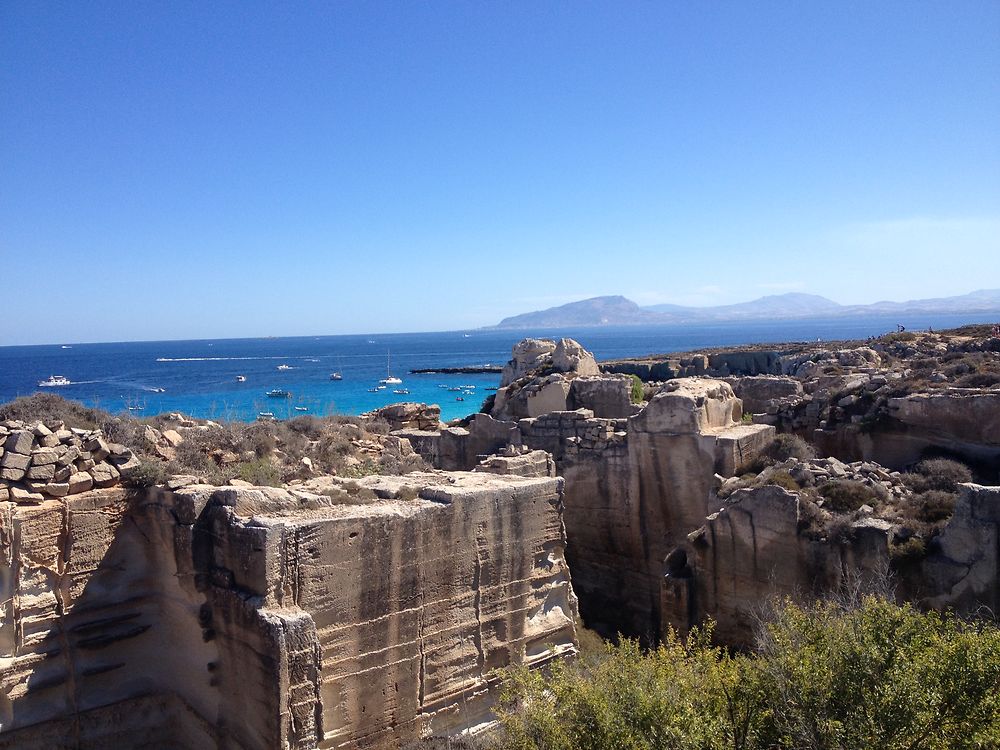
<point x="19" y="441"/>
<point x="80" y="482"/>
<point x="44" y="456"/>
<point x="12" y="460"/>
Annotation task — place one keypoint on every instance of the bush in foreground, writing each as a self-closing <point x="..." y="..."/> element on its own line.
<point x="878" y="676"/>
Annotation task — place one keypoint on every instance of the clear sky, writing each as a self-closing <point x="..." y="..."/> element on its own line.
<point x="190" y="169"/>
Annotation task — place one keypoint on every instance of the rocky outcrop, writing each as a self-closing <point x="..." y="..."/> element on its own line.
<point x="409" y="416"/>
<point x="538" y="396"/>
<point x="40" y="461"/>
<point x="364" y="613"/>
<point x="537" y="379"/>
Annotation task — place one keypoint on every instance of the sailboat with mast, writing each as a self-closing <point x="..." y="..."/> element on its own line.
<point x="389" y="379"/>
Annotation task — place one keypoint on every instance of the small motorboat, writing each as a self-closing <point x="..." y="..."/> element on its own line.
<point x="401" y="391"/>
<point x="336" y="376"/>
<point x="159" y="390"/>
<point x="284" y="367"/>
<point x="266" y="416"/>
<point x="301" y="408"/>
<point x="278" y="393"/>
<point x="136" y="408"/>
<point x="241" y="378"/>
<point x="459" y="398"/>
<point x="54" y="381"/>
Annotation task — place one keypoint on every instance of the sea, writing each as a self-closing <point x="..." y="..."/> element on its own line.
<point x="200" y="377"/>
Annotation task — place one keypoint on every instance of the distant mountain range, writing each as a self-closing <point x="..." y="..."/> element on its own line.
<point x="618" y="310"/>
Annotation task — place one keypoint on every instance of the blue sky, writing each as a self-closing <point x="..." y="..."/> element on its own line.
<point x="186" y="169"/>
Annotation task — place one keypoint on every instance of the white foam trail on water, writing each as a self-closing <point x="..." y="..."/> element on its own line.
<point x="213" y="359"/>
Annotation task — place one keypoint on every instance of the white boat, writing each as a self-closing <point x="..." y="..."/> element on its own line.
<point x="301" y="408"/>
<point x="241" y="378"/>
<point x="389" y="379"/>
<point x="401" y="391"/>
<point x="336" y="376"/>
<point x="54" y="381"/>
<point x="284" y="367"/>
<point x="159" y="390"/>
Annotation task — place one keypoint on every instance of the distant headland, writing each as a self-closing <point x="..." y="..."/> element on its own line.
<point x="618" y="310"/>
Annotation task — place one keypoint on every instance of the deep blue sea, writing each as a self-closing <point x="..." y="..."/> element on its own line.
<point x="199" y="378"/>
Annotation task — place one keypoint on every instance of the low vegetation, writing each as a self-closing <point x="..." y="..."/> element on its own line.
<point x="262" y="453"/>
<point x="637" y="393"/>
<point x="876" y="675"/>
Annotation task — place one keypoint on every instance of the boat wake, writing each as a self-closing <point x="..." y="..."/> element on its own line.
<point x="213" y="359"/>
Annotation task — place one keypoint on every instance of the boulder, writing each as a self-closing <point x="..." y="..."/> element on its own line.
<point x="570" y="356"/>
<point x="409" y="416"/>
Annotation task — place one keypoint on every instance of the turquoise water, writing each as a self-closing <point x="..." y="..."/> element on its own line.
<point x="199" y="377"/>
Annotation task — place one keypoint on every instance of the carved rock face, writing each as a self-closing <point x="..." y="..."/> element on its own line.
<point x="262" y="617"/>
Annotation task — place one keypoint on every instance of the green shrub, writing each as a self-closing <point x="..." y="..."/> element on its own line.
<point x="943" y="474"/>
<point x="261" y="472"/>
<point x="787" y="445"/>
<point x="149" y="473"/>
<point x="50" y="407"/>
<point x="783" y="479"/>
<point x="907" y="552"/>
<point x="638" y="393"/>
<point x="978" y="380"/>
<point x="934" y="506"/>
<point x="824" y="677"/>
<point x="891" y="338"/>
<point x="847" y="495"/>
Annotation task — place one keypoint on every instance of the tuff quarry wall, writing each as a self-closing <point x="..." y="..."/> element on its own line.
<point x="263" y="618"/>
<point x="754" y="548"/>
<point x="635" y="485"/>
<point x="634" y="489"/>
